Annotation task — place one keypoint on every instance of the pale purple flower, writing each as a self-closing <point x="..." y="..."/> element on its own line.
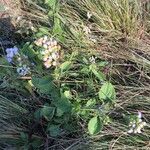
<point x="9" y="59"/>
<point x="11" y="52"/>
<point x="15" y="50"/>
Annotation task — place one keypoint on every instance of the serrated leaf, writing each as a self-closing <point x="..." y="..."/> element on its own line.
<point x="107" y="92"/>
<point x="95" y="125"/>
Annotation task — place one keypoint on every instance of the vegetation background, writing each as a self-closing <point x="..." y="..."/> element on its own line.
<point x="101" y="83"/>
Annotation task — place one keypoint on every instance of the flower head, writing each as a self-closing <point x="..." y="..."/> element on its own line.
<point x="50" y="52"/>
<point x="89" y="15"/>
<point x="11" y="52"/>
<point x="23" y="70"/>
<point x="139" y="115"/>
<point x="137" y="125"/>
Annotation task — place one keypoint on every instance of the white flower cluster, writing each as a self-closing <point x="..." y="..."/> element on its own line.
<point x="92" y="59"/>
<point x="23" y="70"/>
<point x="137" y="125"/>
<point x="11" y="52"/>
<point x="50" y="54"/>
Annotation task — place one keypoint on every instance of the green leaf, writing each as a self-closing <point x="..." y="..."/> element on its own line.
<point x="44" y="85"/>
<point x="107" y="92"/>
<point x="102" y="63"/>
<point x="37" y="114"/>
<point x="54" y="130"/>
<point x="95" y="125"/>
<point x="47" y="112"/>
<point x="63" y="106"/>
<point x="50" y="3"/>
<point x="90" y="103"/>
<point x="57" y="29"/>
<point x="43" y="31"/>
<point x="24" y="136"/>
<point x="98" y="74"/>
<point x="68" y="94"/>
<point x="85" y="70"/>
<point x="65" y="66"/>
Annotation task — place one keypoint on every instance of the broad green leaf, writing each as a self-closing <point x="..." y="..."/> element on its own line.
<point x="95" y="125"/>
<point x="47" y="112"/>
<point x="63" y="105"/>
<point x="107" y="92"/>
<point x="54" y="130"/>
<point x="44" y="84"/>
<point x="65" y="66"/>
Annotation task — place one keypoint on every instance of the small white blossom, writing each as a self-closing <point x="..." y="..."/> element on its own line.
<point x="139" y="115"/>
<point x="50" y="58"/>
<point x="92" y="59"/>
<point x="23" y="70"/>
<point x="45" y="37"/>
<point x="54" y="63"/>
<point x="89" y="15"/>
<point x="45" y="46"/>
<point x="45" y="58"/>
<point x="130" y="131"/>
<point x="138" y="125"/>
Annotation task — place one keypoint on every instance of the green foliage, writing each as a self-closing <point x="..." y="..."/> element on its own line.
<point x="53" y="130"/>
<point x="45" y="84"/>
<point x="97" y="73"/>
<point x="51" y="3"/>
<point x="107" y="92"/>
<point x="74" y="99"/>
<point x="47" y="112"/>
<point x="95" y="125"/>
